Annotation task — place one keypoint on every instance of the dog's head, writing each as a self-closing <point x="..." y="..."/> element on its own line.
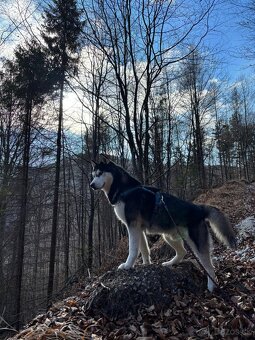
<point x="102" y="175"/>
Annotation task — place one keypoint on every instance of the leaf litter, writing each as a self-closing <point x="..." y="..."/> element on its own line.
<point x="155" y="302"/>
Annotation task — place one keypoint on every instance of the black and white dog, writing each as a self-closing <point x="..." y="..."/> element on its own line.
<point x="136" y="206"/>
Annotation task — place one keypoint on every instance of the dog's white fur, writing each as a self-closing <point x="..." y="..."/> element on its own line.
<point x="119" y="210"/>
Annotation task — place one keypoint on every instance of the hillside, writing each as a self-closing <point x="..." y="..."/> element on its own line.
<point x="155" y="302"/>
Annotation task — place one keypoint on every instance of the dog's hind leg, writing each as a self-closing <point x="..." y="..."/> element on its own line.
<point x="206" y="261"/>
<point x="145" y="250"/>
<point x="204" y="256"/>
<point x="134" y="238"/>
<point x="178" y="246"/>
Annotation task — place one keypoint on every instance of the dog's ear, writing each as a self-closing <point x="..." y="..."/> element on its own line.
<point x="93" y="164"/>
<point x="104" y="158"/>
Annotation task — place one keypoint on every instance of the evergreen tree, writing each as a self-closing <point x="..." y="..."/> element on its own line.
<point x="32" y="82"/>
<point x="62" y="29"/>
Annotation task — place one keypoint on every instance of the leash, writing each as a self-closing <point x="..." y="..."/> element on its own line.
<point x="225" y="296"/>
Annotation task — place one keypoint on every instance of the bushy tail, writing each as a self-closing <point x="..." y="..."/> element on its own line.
<point x="220" y="226"/>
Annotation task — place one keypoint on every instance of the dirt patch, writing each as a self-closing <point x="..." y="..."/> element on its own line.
<point x="235" y="198"/>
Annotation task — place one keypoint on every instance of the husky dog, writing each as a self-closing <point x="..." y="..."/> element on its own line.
<point x="136" y="206"/>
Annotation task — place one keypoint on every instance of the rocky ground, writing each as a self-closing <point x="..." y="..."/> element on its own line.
<point x="155" y="302"/>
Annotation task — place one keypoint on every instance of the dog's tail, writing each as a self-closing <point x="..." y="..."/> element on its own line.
<point x="220" y="226"/>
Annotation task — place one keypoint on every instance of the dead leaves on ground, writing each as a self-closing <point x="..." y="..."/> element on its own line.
<point x="189" y="316"/>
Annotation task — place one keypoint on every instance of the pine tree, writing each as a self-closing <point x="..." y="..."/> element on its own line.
<point x="62" y="29"/>
<point x="32" y="82"/>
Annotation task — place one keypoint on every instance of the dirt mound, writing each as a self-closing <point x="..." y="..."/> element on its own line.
<point x="122" y="293"/>
<point x="235" y="198"/>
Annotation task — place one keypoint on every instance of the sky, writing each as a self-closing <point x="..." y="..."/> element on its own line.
<point x="226" y="38"/>
<point x="19" y="19"/>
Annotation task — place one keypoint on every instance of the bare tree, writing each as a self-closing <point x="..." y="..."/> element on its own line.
<point x="92" y="81"/>
<point x="62" y="30"/>
<point x="10" y="142"/>
<point x="240" y="127"/>
<point x="246" y="13"/>
<point x="140" y="39"/>
<point x="199" y="92"/>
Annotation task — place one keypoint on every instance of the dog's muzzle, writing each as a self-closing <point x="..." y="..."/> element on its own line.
<point x="93" y="186"/>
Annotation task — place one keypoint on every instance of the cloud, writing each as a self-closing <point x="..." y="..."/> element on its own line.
<point x="19" y="22"/>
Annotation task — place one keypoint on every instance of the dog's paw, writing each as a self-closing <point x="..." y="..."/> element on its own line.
<point x="146" y="260"/>
<point x="175" y="260"/>
<point x="123" y="266"/>
<point x="168" y="263"/>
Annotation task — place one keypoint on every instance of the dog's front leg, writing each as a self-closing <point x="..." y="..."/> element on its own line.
<point x="134" y="237"/>
<point x="145" y="250"/>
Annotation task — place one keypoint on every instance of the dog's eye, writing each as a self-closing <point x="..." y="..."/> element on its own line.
<point x="99" y="173"/>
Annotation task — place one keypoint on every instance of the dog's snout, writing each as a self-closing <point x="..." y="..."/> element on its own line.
<point x="92" y="185"/>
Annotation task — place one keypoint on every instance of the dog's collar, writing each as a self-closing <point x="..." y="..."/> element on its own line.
<point x="118" y="196"/>
<point x="115" y="197"/>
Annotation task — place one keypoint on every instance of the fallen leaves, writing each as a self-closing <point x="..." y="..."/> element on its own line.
<point x="153" y="302"/>
<point x="186" y="313"/>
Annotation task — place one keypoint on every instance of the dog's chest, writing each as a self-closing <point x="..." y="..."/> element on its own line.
<point x="119" y="210"/>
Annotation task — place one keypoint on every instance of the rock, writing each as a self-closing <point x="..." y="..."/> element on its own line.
<point x="246" y="228"/>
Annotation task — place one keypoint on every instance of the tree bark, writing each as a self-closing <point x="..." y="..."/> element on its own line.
<point x="23" y="212"/>
<point x="56" y="197"/>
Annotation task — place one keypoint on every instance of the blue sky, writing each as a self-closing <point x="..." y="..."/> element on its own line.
<point x="225" y="38"/>
<point x="228" y="39"/>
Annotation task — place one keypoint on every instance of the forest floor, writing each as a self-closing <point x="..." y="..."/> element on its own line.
<point x="155" y="302"/>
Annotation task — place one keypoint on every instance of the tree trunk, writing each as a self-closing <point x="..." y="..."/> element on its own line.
<point x="2" y="226"/>
<point x="56" y="197"/>
<point x="90" y="229"/>
<point x="23" y="212"/>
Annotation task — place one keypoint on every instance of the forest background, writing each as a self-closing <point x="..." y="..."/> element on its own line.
<point x="140" y="81"/>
